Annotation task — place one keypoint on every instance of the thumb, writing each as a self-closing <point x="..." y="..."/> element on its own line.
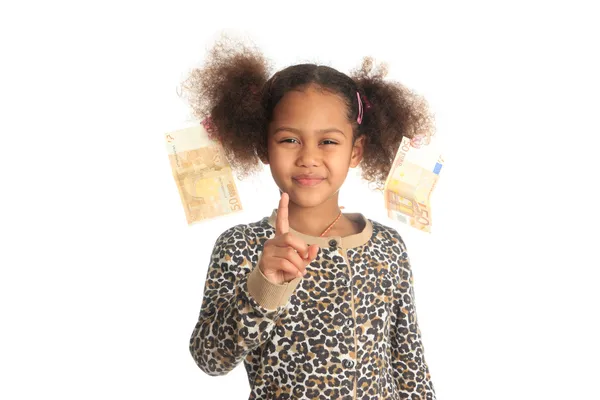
<point x="313" y="250"/>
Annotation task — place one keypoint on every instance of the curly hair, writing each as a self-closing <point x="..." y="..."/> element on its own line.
<point x="236" y="92"/>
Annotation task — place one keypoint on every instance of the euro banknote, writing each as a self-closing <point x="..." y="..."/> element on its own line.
<point x="202" y="174"/>
<point x="412" y="178"/>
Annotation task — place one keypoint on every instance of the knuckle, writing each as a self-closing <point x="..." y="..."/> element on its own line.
<point x="282" y="264"/>
<point x="290" y="253"/>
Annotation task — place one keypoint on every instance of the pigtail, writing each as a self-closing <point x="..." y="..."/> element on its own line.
<point x="225" y="93"/>
<point x="391" y="112"/>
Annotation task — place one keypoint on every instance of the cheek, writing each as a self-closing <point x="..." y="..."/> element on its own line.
<point x="340" y="159"/>
<point x="279" y="161"/>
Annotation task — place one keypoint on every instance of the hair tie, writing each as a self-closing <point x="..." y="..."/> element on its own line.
<point x="210" y="128"/>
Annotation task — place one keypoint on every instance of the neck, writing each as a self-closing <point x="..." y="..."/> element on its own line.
<point x="313" y="221"/>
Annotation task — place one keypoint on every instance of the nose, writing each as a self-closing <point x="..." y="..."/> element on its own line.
<point x="308" y="156"/>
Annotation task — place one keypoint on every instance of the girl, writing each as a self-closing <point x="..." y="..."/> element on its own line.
<point x="317" y="303"/>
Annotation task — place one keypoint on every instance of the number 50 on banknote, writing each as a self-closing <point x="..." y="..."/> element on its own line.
<point x="202" y="174"/>
<point x="412" y="178"/>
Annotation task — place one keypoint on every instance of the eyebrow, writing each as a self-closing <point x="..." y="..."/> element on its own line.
<point x="298" y="131"/>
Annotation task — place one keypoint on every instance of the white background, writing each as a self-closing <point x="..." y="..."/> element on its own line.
<point x="101" y="278"/>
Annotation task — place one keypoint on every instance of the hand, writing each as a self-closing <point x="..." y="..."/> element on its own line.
<point x="285" y="256"/>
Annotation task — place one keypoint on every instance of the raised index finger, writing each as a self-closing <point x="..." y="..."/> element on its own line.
<point x="282" y="224"/>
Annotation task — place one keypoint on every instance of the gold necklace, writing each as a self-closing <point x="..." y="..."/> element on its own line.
<point x="332" y="224"/>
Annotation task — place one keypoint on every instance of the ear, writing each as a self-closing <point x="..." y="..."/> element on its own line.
<point x="357" y="151"/>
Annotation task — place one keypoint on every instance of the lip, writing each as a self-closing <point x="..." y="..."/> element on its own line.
<point x="308" y="180"/>
<point x="307" y="176"/>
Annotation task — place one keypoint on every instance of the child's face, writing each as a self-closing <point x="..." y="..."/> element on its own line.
<point x="310" y="135"/>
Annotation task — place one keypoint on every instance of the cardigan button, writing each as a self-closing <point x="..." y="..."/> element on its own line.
<point x="332" y="243"/>
<point x="348" y="363"/>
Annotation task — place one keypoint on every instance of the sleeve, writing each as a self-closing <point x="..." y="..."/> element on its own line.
<point x="240" y="306"/>
<point x="411" y="372"/>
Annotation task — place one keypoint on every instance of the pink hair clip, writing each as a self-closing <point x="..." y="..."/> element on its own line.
<point x="360" y="109"/>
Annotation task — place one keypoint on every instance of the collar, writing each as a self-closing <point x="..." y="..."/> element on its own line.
<point x="355" y="240"/>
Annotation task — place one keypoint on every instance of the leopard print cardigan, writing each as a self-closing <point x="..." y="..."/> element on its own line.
<point x="346" y="330"/>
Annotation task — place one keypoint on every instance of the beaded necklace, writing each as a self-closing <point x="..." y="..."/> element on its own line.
<point x="332" y="224"/>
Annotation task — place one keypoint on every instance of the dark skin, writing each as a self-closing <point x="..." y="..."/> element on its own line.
<point x="310" y="134"/>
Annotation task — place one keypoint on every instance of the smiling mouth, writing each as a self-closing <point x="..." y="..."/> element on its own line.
<point x="308" y="181"/>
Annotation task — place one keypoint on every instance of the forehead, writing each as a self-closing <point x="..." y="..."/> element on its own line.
<point x="311" y="107"/>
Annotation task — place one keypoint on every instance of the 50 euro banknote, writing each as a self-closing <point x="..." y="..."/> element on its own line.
<point x="202" y="174"/>
<point x="413" y="176"/>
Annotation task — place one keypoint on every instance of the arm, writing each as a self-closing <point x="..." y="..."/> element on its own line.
<point x="239" y="306"/>
<point x="411" y="373"/>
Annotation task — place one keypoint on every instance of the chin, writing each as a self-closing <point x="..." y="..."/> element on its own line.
<point x="306" y="200"/>
<point x="309" y="198"/>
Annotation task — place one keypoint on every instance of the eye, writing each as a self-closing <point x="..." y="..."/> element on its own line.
<point x="295" y="141"/>
<point x="288" y="141"/>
